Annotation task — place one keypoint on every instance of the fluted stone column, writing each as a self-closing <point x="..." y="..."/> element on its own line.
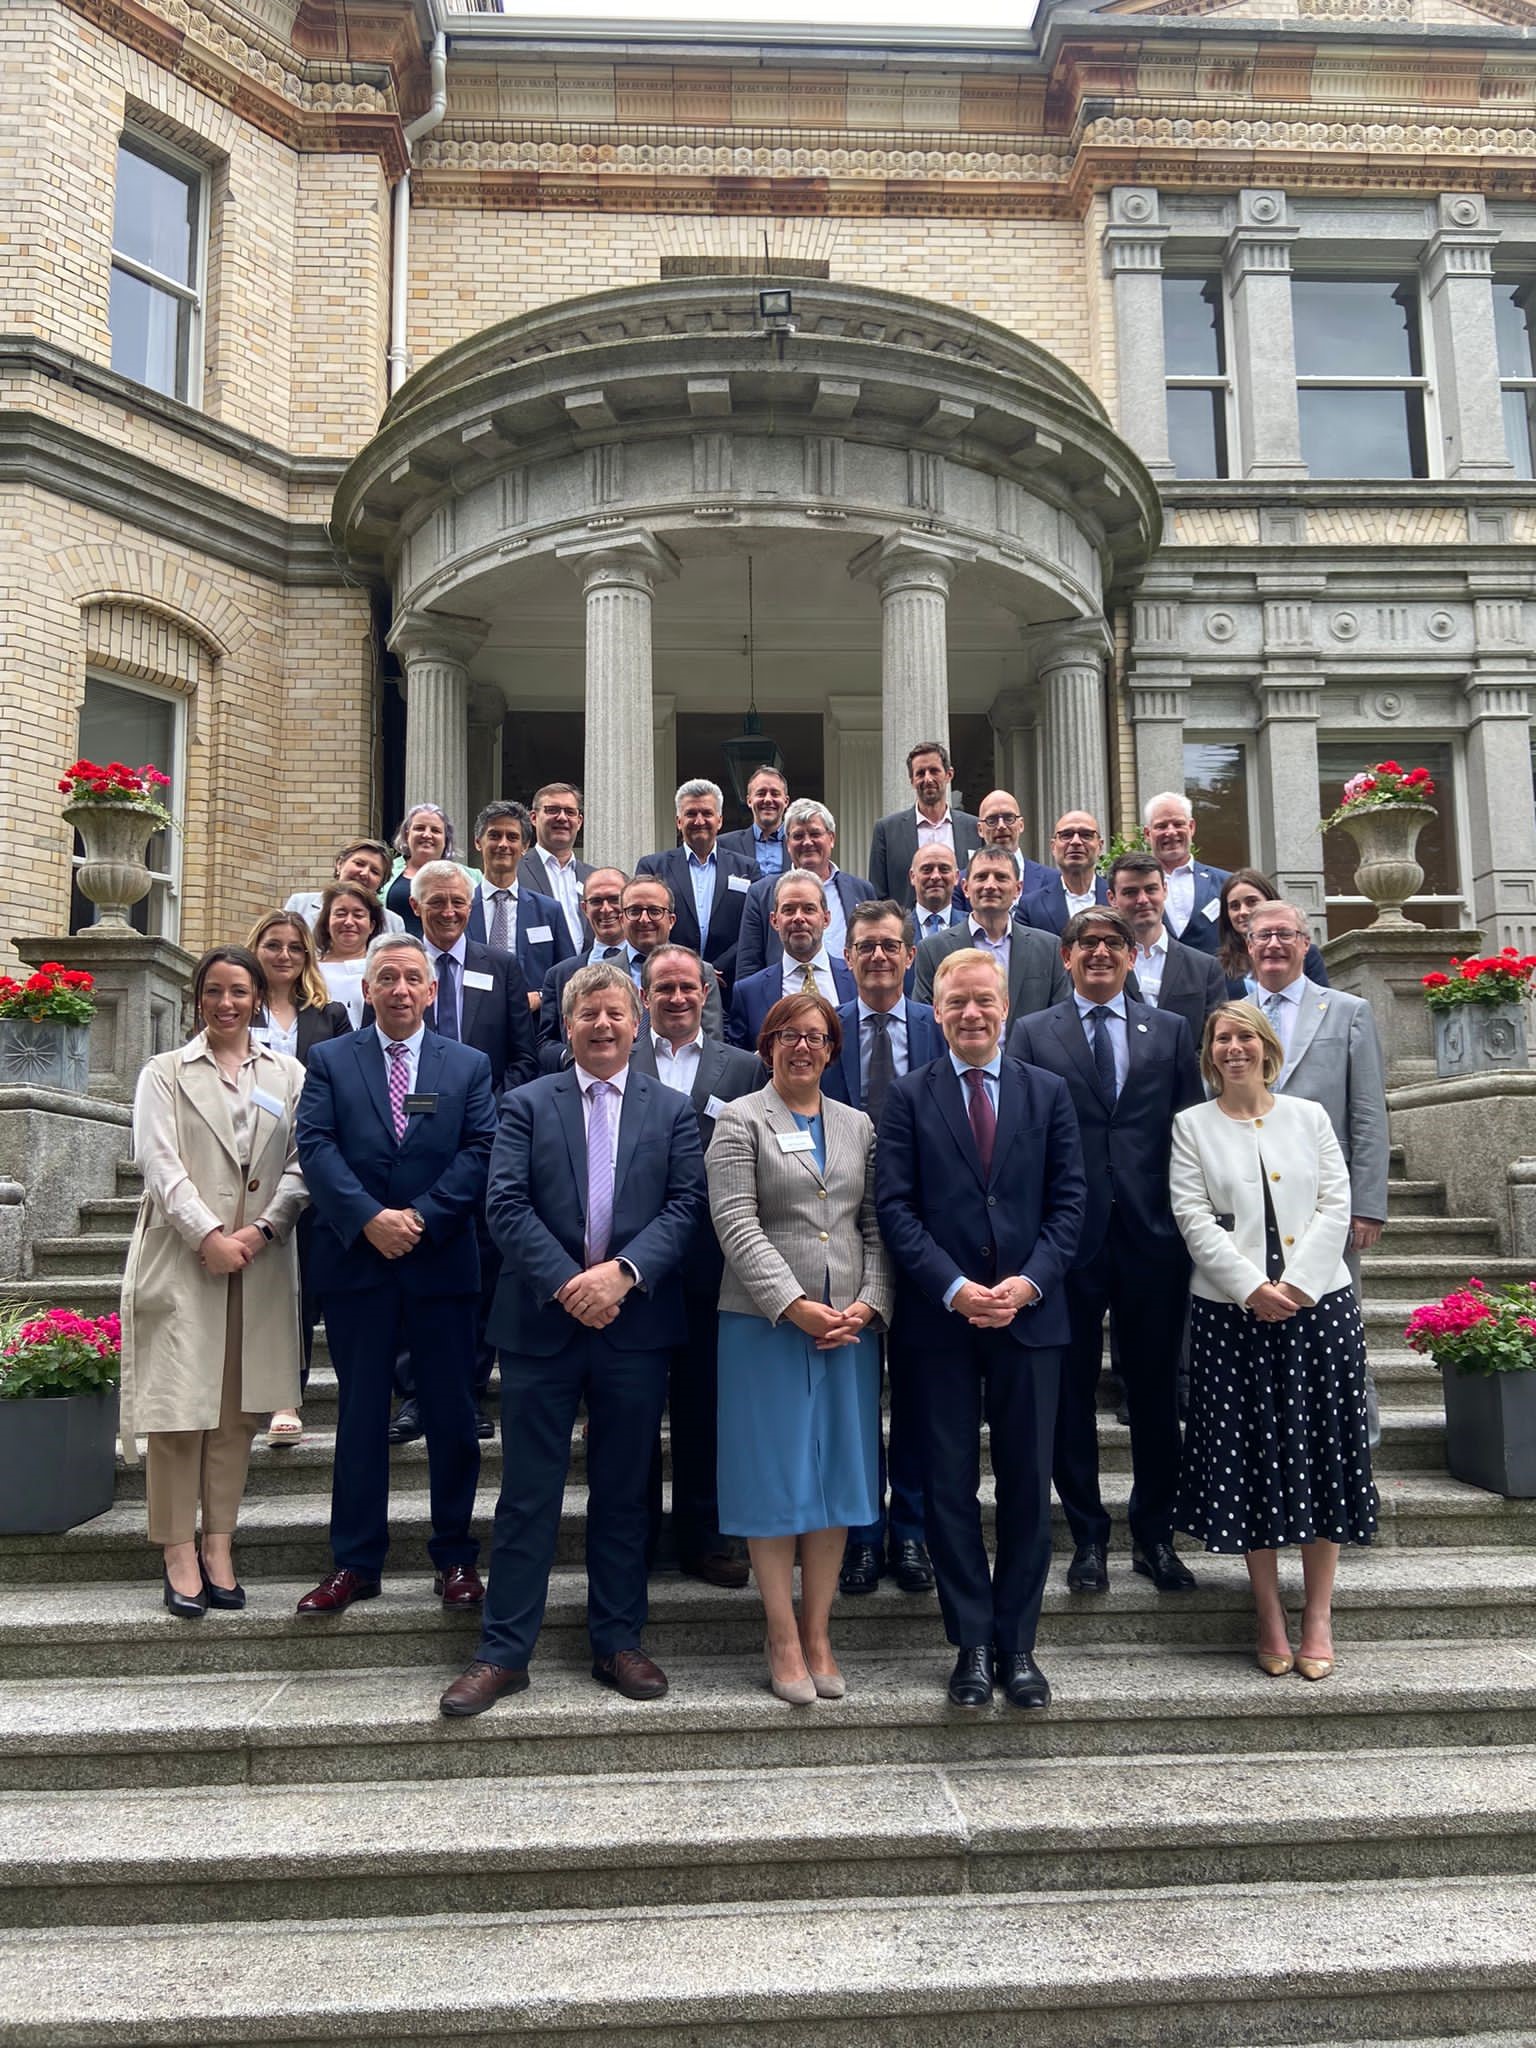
<point x="913" y="575"/>
<point x="1458" y="281"/>
<point x="1070" y="670"/>
<point x="435" y="651"/>
<point x="851" y="739"/>
<point x="664" y="729"/>
<point x="1015" y="744"/>
<point x="487" y="713"/>
<point x="619" y="575"/>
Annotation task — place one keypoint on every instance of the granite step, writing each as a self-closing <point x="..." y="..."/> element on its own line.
<point x="244" y="1854"/>
<point x="364" y="1725"/>
<point x="1388" y="1276"/>
<point x="109" y="1216"/>
<point x="58" y="1260"/>
<point x="107" y="1629"/>
<point x="1188" y="1967"/>
<point x="283" y="1535"/>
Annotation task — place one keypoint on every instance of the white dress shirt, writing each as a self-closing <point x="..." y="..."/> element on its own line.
<point x="488" y="894"/>
<point x="820" y="965"/>
<point x="1075" y="902"/>
<point x="412" y="1053"/>
<point x="456" y="955"/>
<point x="565" y="886"/>
<point x="1149" y="964"/>
<point x="344" y="979"/>
<point x="935" y="833"/>
<point x="678" y="1068"/>
<point x="1180" y="885"/>
<point x="1119" y="1025"/>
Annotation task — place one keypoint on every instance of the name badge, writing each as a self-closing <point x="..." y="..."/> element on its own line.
<point x="267" y="1102"/>
<point x="739" y="883"/>
<point x="714" y="1106"/>
<point x="421" y="1105"/>
<point x="475" y="977"/>
<point x="538" y="935"/>
<point x="795" y="1141"/>
<point x="1212" y="910"/>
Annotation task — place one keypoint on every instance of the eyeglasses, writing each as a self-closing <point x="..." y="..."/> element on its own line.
<point x="1279" y="934"/>
<point x="1074" y="832"/>
<point x="868" y="948"/>
<point x="790" y="1039"/>
<point x="646" y="912"/>
<point x="1111" y="943"/>
<point x="1001" y="818"/>
<point x="281" y="946"/>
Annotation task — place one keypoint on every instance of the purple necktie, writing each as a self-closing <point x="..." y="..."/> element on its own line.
<point x="983" y="1117"/>
<point x="399" y="1083"/>
<point x="600" y="1173"/>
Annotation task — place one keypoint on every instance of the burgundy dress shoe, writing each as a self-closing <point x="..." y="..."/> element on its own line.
<point x="459" y="1586"/>
<point x="632" y="1673"/>
<point x="480" y="1686"/>
<point x="336" y="1592"/>
<point x="715" y="1568"/>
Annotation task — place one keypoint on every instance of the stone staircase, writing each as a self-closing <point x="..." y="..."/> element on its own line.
<point x="1179" y="1852"/>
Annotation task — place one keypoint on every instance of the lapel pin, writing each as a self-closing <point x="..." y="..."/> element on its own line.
<point x="1141" y="1027"/>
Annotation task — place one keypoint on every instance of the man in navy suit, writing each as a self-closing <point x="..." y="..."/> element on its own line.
<point x="1074" y="883"/>
<point x="395" y="1128"/>
<point x="799" y="918"/>
<point x="934" y="895"/>
<point x="980" y="1193"/>
<point x="596" y="1195"/>
<point x="709" y="886"/>
<point x="928" y="821"/>
<point x="811" y="831"/>
<point x="763" y="841"/>
<point x="1130" y="1069"/>
<point x="603" y="895"/>
<point x="886" y="1035"/>
<point x="1194" y="890"/>
<point x="1001" y="823"/>
<point x="1167" y="974"/>
<point x="506" y="914"/>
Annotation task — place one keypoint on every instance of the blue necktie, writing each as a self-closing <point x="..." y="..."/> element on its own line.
<point x="1103" y="1052"/>
<point x="447" y="1001"/>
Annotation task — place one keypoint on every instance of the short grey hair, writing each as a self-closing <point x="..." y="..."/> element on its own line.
<point x="1167" y="796"/>
<point x="700" y="785"/>
<point x="439" y="871"/>
<point x="406" y="941"/>
<point x="801" y="875"/>
<point x="1303" y="921"/>
<point x="804" y="810"/>
<point x="586" y="981"/>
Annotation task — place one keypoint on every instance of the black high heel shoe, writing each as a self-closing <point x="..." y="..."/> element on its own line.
<point x="186" y="1606"/>
<point x="228" y="1597"/>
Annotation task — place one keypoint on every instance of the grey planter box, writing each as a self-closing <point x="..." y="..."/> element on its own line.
<point x="58" y="1462"/>
<point x="1479" y="1038"/>
<point x="45" y="1055"/>
<point x="1490" y="1430"/>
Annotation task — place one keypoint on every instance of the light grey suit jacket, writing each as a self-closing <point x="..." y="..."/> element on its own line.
<point x="1036" y="977"/>
<point x="784" y="1229"/>
<point x="1335" y="1061"/>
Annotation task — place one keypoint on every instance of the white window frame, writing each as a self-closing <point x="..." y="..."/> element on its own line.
<point x="1223" y="383"/>
<point x="1525" y="386"/>
<point x="1424" y="383"/>
<point x="153" y="149"/>
<point x="165" y="883"/>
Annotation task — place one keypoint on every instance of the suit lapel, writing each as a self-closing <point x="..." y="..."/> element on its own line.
<point x="471" y="998"/>
<point x="206" y="1093"/>
<point x="568" y="1107"/>
<point x="370" y="1058"/>
<point x="1018" y="969"/>
<point x="1010" y="1117"/>
<point x="429" y="1066"/>
<point x="1310" y="1012"/>
<point x="945" y="1083"/>
<point x="704" y="1075"/>
<point x="781" y="1119"/>
<point x="632" y="1114"/>
<point x="1068" y="1026"/>
<point x="1175" y="981"/>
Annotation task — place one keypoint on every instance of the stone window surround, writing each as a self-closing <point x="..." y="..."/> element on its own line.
<point x="1255" y="239"/>
<point x="166" y="890"/>
<point x="156" y="149"/>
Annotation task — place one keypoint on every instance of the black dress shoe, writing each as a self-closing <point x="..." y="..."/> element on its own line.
<point x="1089" y="1570"/>
<point x="1161" y="1563"/>
<point x="185" y="1606"/>
<point x="228" y="1597"/>
<point x="970" y="1683"/>
<point x="1022" y="1679"/>
<point x="484" y="1427"/>
<point x="405" y="1426"/>
<point x="861" y="1569"/>
<point x="912" y="1568"/>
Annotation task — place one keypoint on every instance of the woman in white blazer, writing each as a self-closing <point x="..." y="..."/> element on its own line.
<point x="1276" y="1449"/>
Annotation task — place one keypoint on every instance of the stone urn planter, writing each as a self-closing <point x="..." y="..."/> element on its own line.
<point x="1490" y="1430"/>
<point x="115" y="874"/>
<point x="1385" y="836"/>
<point x="45" y="1054"/>
<point x="58" y="1461"/>
<point x="1480" y="1038"/>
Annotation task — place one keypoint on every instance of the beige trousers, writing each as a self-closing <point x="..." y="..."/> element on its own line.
<point x="185" y="1466"/>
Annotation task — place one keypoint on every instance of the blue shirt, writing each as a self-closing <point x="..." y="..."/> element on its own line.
<point x="768" y="850"/>
<point x="895" y="1031"/>
<point x="702" y="875"/>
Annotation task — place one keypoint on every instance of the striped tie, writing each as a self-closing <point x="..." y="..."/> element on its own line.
<point x="600" y="1173"/>
<point x="399" y="1086"/>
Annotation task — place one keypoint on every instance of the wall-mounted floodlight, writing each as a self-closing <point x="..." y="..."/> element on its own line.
<point x="776" y="309"/>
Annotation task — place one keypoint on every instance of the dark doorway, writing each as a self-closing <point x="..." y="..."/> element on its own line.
<point x="700" y="751"/>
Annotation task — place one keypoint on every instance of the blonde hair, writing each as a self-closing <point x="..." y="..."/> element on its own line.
<point x="309" y="981"/>
<point x="1254" y="1018"/>
<point x="968" y="956"/>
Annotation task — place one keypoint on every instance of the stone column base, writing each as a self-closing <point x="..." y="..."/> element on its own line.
<point x="1387" y="968"/>
<point x="141" y="995"/>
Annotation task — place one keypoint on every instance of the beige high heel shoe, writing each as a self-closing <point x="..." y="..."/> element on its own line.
<point x="1273" y="1665"/>
<point x="795" y="1692"/>
<point x="1314" y="1667"/>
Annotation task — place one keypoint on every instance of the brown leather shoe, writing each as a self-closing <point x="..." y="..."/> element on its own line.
<point x="480" y="1686"/>
<point x="336" y="1592"/>
<point x="715" y="1568"/>
<point x="632" y="1673"/>
<point x="459" y="1586"/>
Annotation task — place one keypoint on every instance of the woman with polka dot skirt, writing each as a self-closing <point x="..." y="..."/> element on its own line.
<point x="1275" y="1452"/>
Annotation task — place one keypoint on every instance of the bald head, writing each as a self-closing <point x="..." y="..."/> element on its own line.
<point x="1076" y="845"/>
<point x="1000" y="819"/>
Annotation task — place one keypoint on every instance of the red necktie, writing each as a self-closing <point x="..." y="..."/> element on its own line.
<point x="983" y="1117"/>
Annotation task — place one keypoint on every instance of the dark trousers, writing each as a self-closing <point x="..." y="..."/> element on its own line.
<point x="1146" y="1290"/>
<point x="692" y="1408"/>
<point x="987" y="1372"/>
<point x="901" y="1466"/>
<point x="365" y="1332"/>
<point x="485" y="1353"/>
<point x="624" y="1393"/>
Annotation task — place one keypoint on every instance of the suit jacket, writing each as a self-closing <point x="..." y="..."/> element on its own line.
<point x="355" y="1166"/>
<point x="535" y="913"/>
<point x="532" y="873"/>
<point x="742" y="842"/>
<point x="1335" y="1061"/>
<point x="1192" y="986"/>
<point x="942" y="1219"/>
<point x="1045" y="909"/>
<point x="786" y="1228"/>
<point x="893" y="849"/>
<point x="760" y="945"/>
<point x="1125" y="1143"/>
<point x="1036" y="977"/>
<point x="536" y="1206"/>
<point x="724" y="1074"/>
<point x="1203" y="932"/>
<point x="317" y="1022"/>
<point x="752" y="999"/>
<point x="844" y="1078"/>
<point x="718" y="944"/>
<point x="497" y="1020"/>
<point x="1220" y="1171"/>
<point x="550" y="1027"/>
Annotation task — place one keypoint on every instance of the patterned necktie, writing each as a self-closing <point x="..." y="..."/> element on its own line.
<point x="1103" y="1051"/>
<point x="808" y="980"/>
<point x="611" y="952"/>
<point x="983" y="1117"/>
<point x="399" y="1086"/>
<point x="882" y="1065"/>
<point x="501" y="921"/>
<point x="1272" y="1002"/>
<point x="446" y="1010"/>
<point x="935" y="923"/>
<point x="600" y="1172"/>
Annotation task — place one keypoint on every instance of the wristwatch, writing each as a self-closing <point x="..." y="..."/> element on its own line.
<point x="418" y="1219"/>
<point x="267" y="1231"/>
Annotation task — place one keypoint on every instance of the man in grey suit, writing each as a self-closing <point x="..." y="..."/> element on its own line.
<point x="1332" y="1058"/>
<point x="1030" y="959"/>
<point x="1169" y="975"/>
<point x="673" y="1046"/>
<point x="930" y="821"/>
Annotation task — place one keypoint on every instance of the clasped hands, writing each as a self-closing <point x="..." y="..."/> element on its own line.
<point x="1276" y="1301"/>
<point x="393" y="1232"/>
<point x="230" y="1251"/>
<point x="994" y="1308"/>
<point x="595" y="1296"/>
<point x="831" y="1328"/>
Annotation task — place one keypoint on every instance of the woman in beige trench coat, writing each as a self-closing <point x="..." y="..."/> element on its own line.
<point x="211" y="1290"/>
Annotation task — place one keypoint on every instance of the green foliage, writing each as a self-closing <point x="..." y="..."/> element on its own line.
<point x="1479" y="1329"/>
<point x="45" y="1353"/>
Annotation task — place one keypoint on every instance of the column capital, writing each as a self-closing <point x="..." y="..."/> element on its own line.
<point x="1261" y="240"/>
<point x="1288" y="695"/>
<point x="633" y="558"/>
<point x="1159" y="694"/>
<point x="911" y="561"/>
<point x="1010" y="709"/>
<point x="435" y="636"/>
<point x="854" y="714"/>
<point x="1135" y="234"/>
<point x="1083" y="644"/>
<point x="1462" y="244"/>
